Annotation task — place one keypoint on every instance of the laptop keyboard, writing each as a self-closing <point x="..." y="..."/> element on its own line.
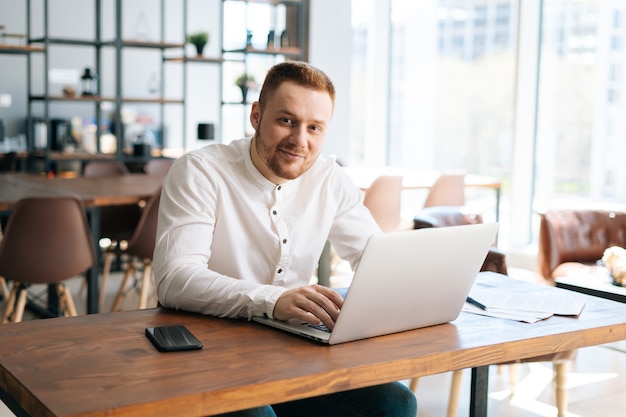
<point x="320" y="326"/>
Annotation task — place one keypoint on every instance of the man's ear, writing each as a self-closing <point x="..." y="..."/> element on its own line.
<point x="255" y="115"/>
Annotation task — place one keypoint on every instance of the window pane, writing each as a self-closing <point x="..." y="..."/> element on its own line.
<point x="579" y="151"/>
<point x="452" y="85"/>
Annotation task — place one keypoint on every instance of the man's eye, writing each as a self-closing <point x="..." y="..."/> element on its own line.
<point x="287" y="121"/>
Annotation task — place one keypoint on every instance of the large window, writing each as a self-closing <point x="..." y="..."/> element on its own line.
<point x="448" y="95"/>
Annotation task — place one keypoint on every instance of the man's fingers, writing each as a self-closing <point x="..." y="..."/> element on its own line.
<point x="313" y="304"/>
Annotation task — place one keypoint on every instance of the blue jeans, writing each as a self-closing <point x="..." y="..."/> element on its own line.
<point x="388" y="400"/>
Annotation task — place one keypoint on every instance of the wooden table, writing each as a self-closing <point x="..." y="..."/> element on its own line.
<point x="103" y="365"/>
<point x="94" y="192"/>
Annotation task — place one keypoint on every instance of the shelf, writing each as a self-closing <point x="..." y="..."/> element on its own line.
<point x="272" y="2"/>
<point x="95" y="99"/>
<point x="153" y="100"/>
<point x="210" y="60"/>
<point x="90" y="99"/>
<point x="68" y="41"/>
<point x="20" y="49"/>
<point x="151" y="44"/>
<point x="291" y="51"/>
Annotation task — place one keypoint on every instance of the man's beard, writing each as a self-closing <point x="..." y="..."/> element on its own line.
<point x="276" y="164"/>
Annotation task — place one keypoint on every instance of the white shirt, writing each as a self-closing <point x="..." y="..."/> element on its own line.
<point x="230" y="242"/>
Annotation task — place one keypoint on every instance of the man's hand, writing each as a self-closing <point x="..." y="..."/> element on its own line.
<point x="312" y="304"/>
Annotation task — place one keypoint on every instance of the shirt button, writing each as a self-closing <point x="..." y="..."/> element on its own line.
<point x="274" y="212"/>
<point x="284" y="240"/>
<point x="280" y="271"/>
<point x="280" y="187"/>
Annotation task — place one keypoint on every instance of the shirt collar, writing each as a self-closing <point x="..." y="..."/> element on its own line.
<point x="257" y="176"/>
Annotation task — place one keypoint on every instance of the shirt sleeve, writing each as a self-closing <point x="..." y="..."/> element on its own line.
<point x="353" y="224"/>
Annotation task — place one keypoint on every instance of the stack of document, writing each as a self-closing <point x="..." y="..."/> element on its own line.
<point x="496" y="295"/>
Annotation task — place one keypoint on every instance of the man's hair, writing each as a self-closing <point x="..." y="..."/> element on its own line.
<point x="298" y="72"/>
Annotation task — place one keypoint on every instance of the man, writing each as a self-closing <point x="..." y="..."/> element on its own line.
<point x="242" y="226"/>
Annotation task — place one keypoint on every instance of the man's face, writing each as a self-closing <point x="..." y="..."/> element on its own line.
<point x="290" y="132"/>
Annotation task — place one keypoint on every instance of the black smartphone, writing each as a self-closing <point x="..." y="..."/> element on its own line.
<point x="173" y="338"/>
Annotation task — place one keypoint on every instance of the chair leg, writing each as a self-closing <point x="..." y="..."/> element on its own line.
<point x="9" y="306"/>
<point x="18" y="314"/>
<point x="66" y="300"/>
<point x="455" y="392"/>
<point x="106" y="271"/>
<point x="4" y="289"/>
<point x="120" y="292"/>
<point x="413" y="384"/>
<point x="513" y="375"/>
<point x="146" y="285"/>
<point x="560" y="379"/>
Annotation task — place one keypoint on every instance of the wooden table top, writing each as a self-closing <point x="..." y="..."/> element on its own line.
<point x="95" y="192"/>
<point x="103" y="365"/>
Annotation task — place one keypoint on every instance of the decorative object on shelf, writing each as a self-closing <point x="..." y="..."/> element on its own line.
<point x="199" y="40"/>
<point x="206" y="131"/>
<point x="284" y="39"/>
<point x="153" y="84"/>
<point x="89" y="83"/>
<point x="69" y="91"/>
<point x="245" y="82"/>
<point x="270" y="39"/>
<point x="248" y="38"/>
<point x="142" y="29"/>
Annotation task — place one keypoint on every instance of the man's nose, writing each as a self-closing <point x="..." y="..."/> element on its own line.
<point x="299" y="135"/>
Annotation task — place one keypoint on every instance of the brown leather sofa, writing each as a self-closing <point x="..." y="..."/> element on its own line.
<point x="442" y="216"/>
<point x="570" y="238"/>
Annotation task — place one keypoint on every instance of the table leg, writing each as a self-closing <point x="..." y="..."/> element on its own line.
<point x="479" y="391"/>
<point x="93" y="214"/>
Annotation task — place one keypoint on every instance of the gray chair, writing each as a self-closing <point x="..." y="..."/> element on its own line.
<point x="47" y="241"/>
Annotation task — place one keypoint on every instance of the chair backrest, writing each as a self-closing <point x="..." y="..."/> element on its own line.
<point x="46" y="240"/>
<point x="578" y="235"/>
<point x="383" y="199"/>
<point x="159" y="166"/>
<point x="447" y="190"/>
<point x="143" y="240"/>
<point x="442" y="216"/>
<point x="104" y="169"/>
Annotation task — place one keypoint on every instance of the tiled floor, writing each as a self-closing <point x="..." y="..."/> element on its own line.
<point x="596" y="381"/>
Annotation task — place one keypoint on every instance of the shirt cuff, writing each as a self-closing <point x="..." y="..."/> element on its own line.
<point x="264" y="300"/>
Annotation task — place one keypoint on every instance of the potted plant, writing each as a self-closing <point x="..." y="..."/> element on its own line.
<point x="245" y="81"/>
<point x="199" y="40"/>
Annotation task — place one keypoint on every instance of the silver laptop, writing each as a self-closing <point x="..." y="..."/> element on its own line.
<point x="406" y="280"/>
